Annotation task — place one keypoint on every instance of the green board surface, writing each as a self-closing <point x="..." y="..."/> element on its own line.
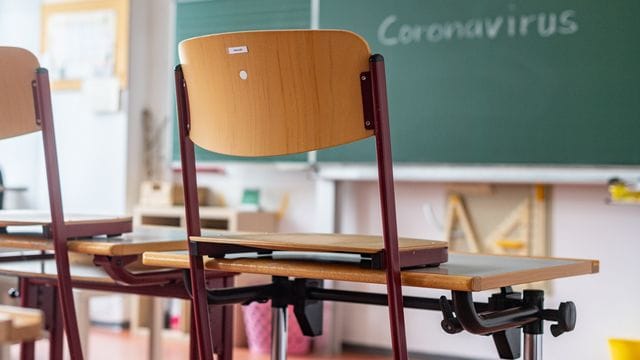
<point x="478" y="81"/>
<point x="196" y="18"/>
<point x="494" y="81"/>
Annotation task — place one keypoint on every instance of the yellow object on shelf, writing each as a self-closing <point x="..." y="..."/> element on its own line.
<point x="511" y="244"/>
<point x="624" y="349"/>
<point x="622" y="192"/>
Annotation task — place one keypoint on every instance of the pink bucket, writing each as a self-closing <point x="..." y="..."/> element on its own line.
<point x="257" y="322"/>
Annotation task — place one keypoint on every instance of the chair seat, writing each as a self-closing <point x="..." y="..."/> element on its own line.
<point x="134" y="243"/>
<point x="20" y="324"/>
<point x="413" y="252"/>
<point x="78" y="225"/>
<point x="463" y="272"/>
<point x="46" y="269"/>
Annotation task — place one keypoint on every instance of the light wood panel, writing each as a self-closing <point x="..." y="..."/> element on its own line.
<point x="281" y="92"/>
<point x="465" y="272"/>
<point x="360" y="244"/>
<point x="30" y="217"/>
<point x="19" y="324"/>
<point x="135" y="243"/>
<point x="47" y="269"/>
<point x="17" y="106"/>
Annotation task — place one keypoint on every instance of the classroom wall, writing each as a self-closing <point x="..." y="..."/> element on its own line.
<point x="19" y="27"/>
<point x="582" y="226"/>
<point x="92" y="148"/>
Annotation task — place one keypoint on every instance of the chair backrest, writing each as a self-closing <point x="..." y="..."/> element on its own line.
<point x="17" y="72"/>
<point x="266" y="93"/>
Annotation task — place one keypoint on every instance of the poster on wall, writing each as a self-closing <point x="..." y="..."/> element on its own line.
<point x="85" y="41"/>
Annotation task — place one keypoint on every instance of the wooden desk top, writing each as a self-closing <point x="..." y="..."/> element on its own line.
<point x="19" y="324"/>
<point x="359" y="244"/>
<point x="30" y="218"/>
<point x="464" y="272"/>
<point x="47" y="269"/>
<point x="135" y="243"/>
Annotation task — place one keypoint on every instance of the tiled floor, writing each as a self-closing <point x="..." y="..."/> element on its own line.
<point x="109" y="345"/>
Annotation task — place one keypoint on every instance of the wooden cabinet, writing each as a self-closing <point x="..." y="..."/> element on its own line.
<point x="211" y="217"/>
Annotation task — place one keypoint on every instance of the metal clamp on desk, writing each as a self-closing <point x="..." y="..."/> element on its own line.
<point x="505" y="316"/>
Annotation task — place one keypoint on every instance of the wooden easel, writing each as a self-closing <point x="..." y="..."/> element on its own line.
<point x="522" y="232"/>
<point x="513" y="234"/>
<point x="457" y="213"/>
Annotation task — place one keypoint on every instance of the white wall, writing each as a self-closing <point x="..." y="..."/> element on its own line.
<point x="92" y="148"/>
<point x="20" y="26"/>
<point x="583" y="226"/>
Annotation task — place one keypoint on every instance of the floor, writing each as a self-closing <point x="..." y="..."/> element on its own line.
<point x="108" y="345"/>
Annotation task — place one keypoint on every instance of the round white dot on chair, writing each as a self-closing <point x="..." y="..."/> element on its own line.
<point x="243" y="75"/>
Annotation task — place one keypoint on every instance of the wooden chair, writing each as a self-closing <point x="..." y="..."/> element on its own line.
<point x="18" y="325"/>
<point x="268" y="93"/>
<point x="25" y="107"/>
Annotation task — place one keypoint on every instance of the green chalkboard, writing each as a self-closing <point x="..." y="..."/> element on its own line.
<point x="195" y="18"/>
<point x="497" y="81"/>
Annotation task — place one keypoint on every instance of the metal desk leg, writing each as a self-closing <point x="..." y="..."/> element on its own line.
<point x="155" y="328"/>
<point x="532" y="346"/>
<point x="533" y="332"/>
<point x="279" y="333"/>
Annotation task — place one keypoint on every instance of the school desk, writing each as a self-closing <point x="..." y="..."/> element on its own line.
<point x="18" y="325"/>
<point x="115" y="268"/>
<point x="463" y="274"/>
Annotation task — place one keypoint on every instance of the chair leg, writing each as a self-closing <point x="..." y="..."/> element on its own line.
<point x="279" y="333"/>
<point x="200" y="308"/>
<point x="27" y="349"/>
<point x="193" y="343"/>
<point x="65" y="296"/>
<point x="227" y="325"/>
<point x="396" y="316"/>
<point x="56" y="333"/>
<point x="388" y="207"/>
<point x="221" y="322"/>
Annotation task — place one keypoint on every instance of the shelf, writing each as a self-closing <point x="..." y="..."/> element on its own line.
<point x="218" y="218"/>
<point x="496" y="174"/>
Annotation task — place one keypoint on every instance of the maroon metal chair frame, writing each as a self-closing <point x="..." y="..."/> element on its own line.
<point x="58" y="294"/>
<point x="42" y="293"/>
<point x="376" y="116"/>
<point x="55" y="296"/>
<point x="44" y="115"/>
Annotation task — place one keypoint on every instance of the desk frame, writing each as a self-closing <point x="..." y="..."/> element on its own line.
<point x="42" y="291"/>
<point x="505" y="317"/>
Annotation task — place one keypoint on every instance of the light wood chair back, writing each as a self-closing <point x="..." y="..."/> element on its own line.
<point x="268" y="93"/>
<point x="17" y="107"/>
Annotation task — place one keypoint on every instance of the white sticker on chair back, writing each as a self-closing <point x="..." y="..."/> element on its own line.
<point x="237" y="50"/>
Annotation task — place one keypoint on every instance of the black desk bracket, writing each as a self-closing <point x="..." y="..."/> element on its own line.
<point x="505" y="316"/>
